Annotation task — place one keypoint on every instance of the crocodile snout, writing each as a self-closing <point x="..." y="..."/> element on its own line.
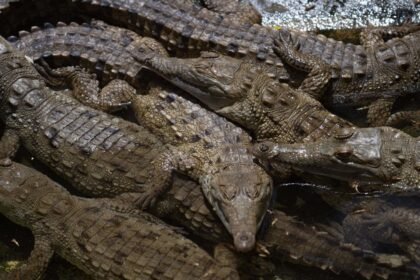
<point x="244" y="241"/>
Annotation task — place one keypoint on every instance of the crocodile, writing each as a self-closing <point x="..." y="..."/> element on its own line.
<point x="184" y="203"/>
<point x="357" y="79"/>
<point x="245" y="94"/>
<point x="108" y="53"/>
<point x="31" y="199"/>
<point x="102" y="242"/>
<point x="360" y="156"/>
<point x="182" y="28"/>
<point x="214" y="149"/>
<point x="104" y="155"/>
<point x="15" y="14"/>
<point x="287" y="237"/>
<point x="374" y="73"/>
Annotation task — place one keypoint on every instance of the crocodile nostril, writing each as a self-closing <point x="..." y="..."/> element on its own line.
<point x="244" y="241"/>
<point x="244" y="238"/>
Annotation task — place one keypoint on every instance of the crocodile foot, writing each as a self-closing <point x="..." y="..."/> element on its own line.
<point x="147" y="199"/>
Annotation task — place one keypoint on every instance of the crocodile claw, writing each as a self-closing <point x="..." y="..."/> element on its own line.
<point x="146" y="200"/>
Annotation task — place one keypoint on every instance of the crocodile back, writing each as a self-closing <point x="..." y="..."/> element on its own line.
<point x="188" y="122"/>
<point x="103" y="49"/>
<point x="346" y="59"/>
<point x="102" y="242"/>
<point x="100" y="154"/>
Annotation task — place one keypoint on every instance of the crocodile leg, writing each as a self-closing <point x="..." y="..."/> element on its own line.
<point x="319" y="71"/>
<point x="37" y="263"/>
<point x="165" y="165"/>
<point x="115" y="95"/>
<point x="9" y="144"/>
<point x="380" y="111"/>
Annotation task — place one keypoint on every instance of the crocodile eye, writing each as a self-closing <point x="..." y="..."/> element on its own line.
<point x="253" y="192"/>
<point x="264" y="148"/>
<point x="229" y="192"/>
<point x="343" y="153"/>
<point x="344" y="133"/>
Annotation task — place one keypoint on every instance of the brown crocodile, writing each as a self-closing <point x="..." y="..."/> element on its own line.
<point x="374" y="73"/>
<point x="216" y="151"/>
<point x="103" y="155"/>
<point x="361" y="156"/>
<point x="51" y="203"/>
<point x="15" y="12"/>
<point x="102" y="242"/>
<point x="108" y="53"/>
<point x="245" y="94"/>
<point x="184" y="29"/>
<point x="184" y="202"/>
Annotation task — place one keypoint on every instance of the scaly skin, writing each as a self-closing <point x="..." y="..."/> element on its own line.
<point x="215" y="152"/>
<point x="100" y="241"/>
<point x="237" y="11"/>
<point x="184" y="203"/>
<point x="111" y="58"/>
<point x="15" y="12"/>
<point x="65" y="49"/>
<point x="360" y="156"/>
<point x="244" y="93"/>
<point x="375" y="73"/>
<point x="220" y="147"/>
<point x="32" y="200"/>
<point x="106" y="156"/>
<point x="182" y="28"/>
<point x="382" y="71"/>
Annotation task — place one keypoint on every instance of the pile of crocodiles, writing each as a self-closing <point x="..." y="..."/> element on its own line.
<point x="184" y="140"/>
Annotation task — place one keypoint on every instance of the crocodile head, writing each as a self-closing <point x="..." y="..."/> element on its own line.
<point x="214" y="79"/>
<point x="359" y="156"/>
<point x="240" y="194"/>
